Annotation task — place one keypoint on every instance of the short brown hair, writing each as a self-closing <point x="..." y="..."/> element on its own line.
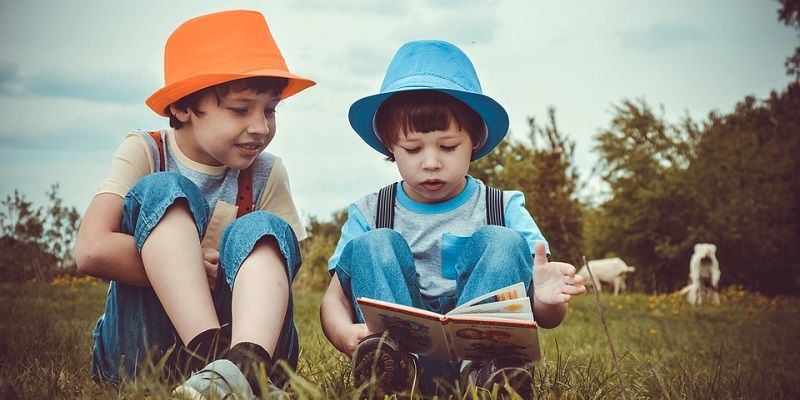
<point x="425" y="111"/>
<point x="259" y="84"/>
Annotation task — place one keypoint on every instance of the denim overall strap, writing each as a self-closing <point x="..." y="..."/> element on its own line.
<point x="384" y="218"/>
<point x="244" y="196"/>
<point x="156" y="135"/>
<point x="494" y="206"/>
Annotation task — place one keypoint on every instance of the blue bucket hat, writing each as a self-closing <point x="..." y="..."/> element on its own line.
<point x="432" y="65"/>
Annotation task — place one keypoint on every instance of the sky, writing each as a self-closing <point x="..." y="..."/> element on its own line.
<point x="74" y="75"/>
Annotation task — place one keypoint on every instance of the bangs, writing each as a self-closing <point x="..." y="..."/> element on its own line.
<point x="425" y="111"/>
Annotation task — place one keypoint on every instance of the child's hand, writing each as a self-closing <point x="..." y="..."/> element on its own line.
<point x="554" y="282"/>
<point x="210" y="263"/>
<point x="349" y="336"/>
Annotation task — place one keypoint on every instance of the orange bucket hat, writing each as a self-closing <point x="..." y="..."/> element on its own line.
<point x="217" y="48"/>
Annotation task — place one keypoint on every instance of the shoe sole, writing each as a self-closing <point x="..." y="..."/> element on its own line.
<point x="518" y="378"/>
<point x="385" y="362"/>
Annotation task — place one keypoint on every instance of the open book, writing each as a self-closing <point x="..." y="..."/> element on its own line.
<point x="495" y="324"/>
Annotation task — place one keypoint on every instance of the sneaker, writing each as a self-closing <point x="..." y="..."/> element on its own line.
<point x="508" y="373"/>
<point x="219" y="380"/>
<point x="379" y="357"/>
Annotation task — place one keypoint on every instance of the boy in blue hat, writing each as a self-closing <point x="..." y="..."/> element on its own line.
<point x="439" y="237"/>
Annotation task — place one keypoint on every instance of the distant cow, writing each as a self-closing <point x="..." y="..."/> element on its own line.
<point x="609" y="270"/>
<point x="704" y="274"/>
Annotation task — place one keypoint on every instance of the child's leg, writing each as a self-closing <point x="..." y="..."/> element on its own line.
<point x="259" y="258"/>
<point x="379" y="265"/>
<point x="173" y="262"/>
<point x="135" y="322"/>
<point x="494" y="257"/>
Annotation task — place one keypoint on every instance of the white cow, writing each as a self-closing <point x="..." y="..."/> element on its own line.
<point x="704" y="274"/>
<point x="609" y="270"/>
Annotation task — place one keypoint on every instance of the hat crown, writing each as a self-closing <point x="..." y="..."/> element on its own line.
<point x="431" y="64"/>
<point x="227" y="42"/>
<point x="217" y="48"/>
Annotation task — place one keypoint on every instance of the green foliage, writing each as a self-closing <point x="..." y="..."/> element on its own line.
<point x="642" y="159"/>
<point x="316" y="250"/>
<point x="61" y="224"/>
<point x="21" y="261"/>
<point x="20" y="219"/>
<point x="731" y="181"/>
<point x="35" y="242"/>
<point x="548" y="179"/>
<point x="789" y="14"/>
<point x="745" y="185"/>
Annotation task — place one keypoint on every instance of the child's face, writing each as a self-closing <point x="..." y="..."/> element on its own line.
<point x="433" y="164"/>
<point x="232" y="133"/>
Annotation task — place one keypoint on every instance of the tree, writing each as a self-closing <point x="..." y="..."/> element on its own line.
<point x="642" y="158"/>
<point x="34" y="242"/>
<point x="20" y="219"/>
<point x="316" y="250"/>
<point x="545" y="174"/>
<point x="789" y="14"/>
<point x="62" y="227"/>
<point x="746" y="185"/>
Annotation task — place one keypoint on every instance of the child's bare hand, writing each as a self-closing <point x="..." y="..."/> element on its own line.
<point x="349" y="336"/>
<point x="211" y="263"/>
<point x="554" y="282"/>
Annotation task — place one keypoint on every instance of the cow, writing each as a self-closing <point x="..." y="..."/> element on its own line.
<point x="704" y="275"/>
<point x="609" y="270"/>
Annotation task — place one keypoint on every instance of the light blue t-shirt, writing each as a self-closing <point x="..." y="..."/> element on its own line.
<point x="436" y="233"/>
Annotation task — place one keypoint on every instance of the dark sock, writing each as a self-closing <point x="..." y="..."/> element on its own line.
<point x="202" y="349"/>
<point x="247" y="356"/>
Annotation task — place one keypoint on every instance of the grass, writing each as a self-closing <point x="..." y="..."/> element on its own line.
<point x="744" y="348"/>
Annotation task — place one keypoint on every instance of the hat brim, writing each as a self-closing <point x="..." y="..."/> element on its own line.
<point x="362" y="116"/>
<point x="162" y="98"/>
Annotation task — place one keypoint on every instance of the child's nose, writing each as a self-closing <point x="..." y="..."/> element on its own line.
<point x="259" y="124"/>
<point x="431" y="161"/>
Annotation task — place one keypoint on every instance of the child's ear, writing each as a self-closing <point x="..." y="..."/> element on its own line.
<point x="181" y="114"/>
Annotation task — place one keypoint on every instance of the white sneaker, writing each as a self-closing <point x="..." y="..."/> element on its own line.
<point x="218" y="380"/>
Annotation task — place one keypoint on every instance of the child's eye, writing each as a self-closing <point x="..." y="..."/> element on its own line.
<point x="269" y="112"/>
<point x="414" y="150"/>
<point x="239" y="110"/>
<point x="449" y="148"/>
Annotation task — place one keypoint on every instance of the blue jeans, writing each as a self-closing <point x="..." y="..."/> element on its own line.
<point x="380" y="265"/>
<point x="135" y="332"/>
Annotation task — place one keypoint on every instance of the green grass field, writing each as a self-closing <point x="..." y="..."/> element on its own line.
<point x="746" y="348"/>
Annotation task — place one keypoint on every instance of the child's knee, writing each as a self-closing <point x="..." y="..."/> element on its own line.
<point x="378" y="239"/>
<point x="154" y="196"/>
<point x="493" y="236"/>
<point x="166" y="182"/>
<point x="382" y="247"/>
<point x="256" y="230"/>
<point x="165" y="189"/>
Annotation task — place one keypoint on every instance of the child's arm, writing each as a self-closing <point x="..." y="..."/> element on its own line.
<point x="554" y="284"/>
<point x="337" y="316"/>
<point x="101" y="251"/>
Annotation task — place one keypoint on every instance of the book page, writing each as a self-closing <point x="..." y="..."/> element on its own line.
<point x="515" y="309"/>
<point x="418" y="331"/>
<point x="475" y="339"/>
<point x="515" y="291"/>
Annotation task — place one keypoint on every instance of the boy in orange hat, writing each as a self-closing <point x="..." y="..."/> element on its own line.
<point x="197" y="280"/>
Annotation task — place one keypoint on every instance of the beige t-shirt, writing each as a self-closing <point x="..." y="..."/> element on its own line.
<point x="134" y="160"/>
